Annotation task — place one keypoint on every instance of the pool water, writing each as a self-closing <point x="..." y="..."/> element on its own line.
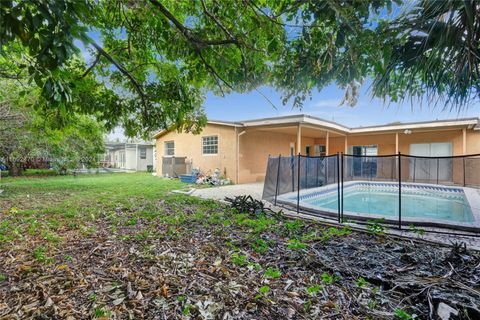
<point x="442" y="205"/>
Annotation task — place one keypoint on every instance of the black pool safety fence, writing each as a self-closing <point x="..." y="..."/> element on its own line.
<point x="401" y="191"/>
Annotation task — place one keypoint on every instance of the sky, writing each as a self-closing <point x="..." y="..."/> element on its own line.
<point x="326" y="105"/>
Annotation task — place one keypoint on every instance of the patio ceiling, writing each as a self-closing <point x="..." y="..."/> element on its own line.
<point x="307" y="131"/>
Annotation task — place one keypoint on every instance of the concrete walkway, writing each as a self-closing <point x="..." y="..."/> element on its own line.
<point x="219" y="193"/>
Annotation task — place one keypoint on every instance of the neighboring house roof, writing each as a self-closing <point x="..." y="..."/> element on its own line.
<point x="122" y="145"/>
<point x="470" y="123"/>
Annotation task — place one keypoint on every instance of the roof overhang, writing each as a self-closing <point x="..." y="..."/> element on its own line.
<point x="427" y="125"/>
<point x="321" y="124"/>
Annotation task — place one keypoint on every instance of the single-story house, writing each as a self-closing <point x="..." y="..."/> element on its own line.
<point x="241" y="149"/>
<point x="136" y="156"/>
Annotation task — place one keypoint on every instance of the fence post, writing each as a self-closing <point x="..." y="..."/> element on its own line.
<point x="414" y="168"/>
<point x="298" y="183"/>
<point x="342" y="171"/>
<point x="307" y="160"/>
<point x="399" y="191"/>
<point x="338" y="185"/>
<point x="464" y="184"/>
<point x="326" y="168"/>
<point x="278" y="176"/>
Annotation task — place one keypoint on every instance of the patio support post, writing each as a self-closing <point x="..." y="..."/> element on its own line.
<point x="396" y="142"/>
<point x="464" y="133"/>
<point x="278" y="178"/>
<point x="338" y="186"/>
<point x="399" y="191"/>
<point x="346" y="145"/>
<point x="327" y="143"/>
<point x="298" y="183"/>
<point x="299" y="139"/>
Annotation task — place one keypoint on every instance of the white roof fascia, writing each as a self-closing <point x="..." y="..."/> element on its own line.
<point x="424" y="125"/>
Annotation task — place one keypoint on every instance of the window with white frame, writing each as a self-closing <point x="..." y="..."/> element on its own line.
<point x="169" y="148"/>
<point x="210" y="145"/>
<point x="143" y="152"/>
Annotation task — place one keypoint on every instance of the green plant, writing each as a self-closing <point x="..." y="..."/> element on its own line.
<point x="402" y="314"/>
<point x="260" y="246"/>
<point x="92" y="297"/>
<point x="239" y="260"/>
<point x="262" y="292"/>
<point x="272" y="273"/>
<point x="313" y="290"/>
<point x="131" y="222"/>
<point x="295" y="244"/>
<point x="329" y="278"/>
<point x="361" y="282"/>
<point x="100" y="312"/>
<point x="40" y="254"/>
<point x="416" y="230"/>
<point x="375" y="226"/>
<point x="186" y="309"/>
<point x="2" y="277"/>
<point x="293" y="226"/>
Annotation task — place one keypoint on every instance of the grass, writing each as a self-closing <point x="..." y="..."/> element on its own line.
<point x="45" y="207"/>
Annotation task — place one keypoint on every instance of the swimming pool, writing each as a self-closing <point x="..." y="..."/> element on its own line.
<point x="368" y="199"/>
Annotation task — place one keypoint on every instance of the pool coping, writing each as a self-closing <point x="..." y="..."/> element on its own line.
<point x="472" y="195"/>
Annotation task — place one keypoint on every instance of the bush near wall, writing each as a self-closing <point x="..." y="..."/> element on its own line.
<point x="33" y="172"/>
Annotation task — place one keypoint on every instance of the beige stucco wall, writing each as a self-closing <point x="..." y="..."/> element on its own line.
<point x="190" y="146"/>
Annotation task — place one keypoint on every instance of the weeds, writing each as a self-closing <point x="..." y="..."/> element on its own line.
<point x="295" y="244"/>
<point x="272" y="273"/>
<point x="375" y="226"/>
<point x="239" y="260"/>
<point x="329" y="279"/>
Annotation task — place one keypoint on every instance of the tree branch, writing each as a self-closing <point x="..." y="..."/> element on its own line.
<point x="122" y="69"/>
<point x="97" y="59"/>
<point x="188" y="33"/>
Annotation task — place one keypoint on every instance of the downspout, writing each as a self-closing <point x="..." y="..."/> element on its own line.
<point x="238" y="154"/>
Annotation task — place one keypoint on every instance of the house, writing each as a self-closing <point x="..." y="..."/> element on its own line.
<point x="241" y="149"/>
<point x="136" y="156"/>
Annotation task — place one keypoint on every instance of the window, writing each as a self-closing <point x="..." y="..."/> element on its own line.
<point x="371" y="150"/>
<point x="365" y="165"/>
<point x="210" y="145"/>
<point x="143" y="152"/>
<point x="169" y="148"/>
<point x="307" y="151"/>
<point x="319" y="150"/>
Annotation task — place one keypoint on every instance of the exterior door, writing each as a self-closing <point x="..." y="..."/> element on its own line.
<point x="431" y="169"/>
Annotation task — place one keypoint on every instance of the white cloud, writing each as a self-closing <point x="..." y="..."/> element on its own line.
<point x="326" y="103"/>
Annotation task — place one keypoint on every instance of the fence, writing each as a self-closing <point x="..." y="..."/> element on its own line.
<point x="175" y="166"/>
<point x="399" y="190"/>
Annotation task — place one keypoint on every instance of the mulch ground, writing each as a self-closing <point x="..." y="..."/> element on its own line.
<point x="202" y="260"/>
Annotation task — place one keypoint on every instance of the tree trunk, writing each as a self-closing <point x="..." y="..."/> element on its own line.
<point x="14" y="169"/>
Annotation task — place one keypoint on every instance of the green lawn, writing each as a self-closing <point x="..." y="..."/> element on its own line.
<point x="124" y="246"/>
